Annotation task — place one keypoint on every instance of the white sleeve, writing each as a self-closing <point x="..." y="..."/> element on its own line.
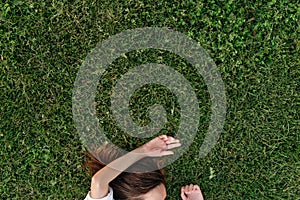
<point x="108" y="197"/>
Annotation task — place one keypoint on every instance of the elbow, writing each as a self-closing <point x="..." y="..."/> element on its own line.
<point x="98" y="182"/>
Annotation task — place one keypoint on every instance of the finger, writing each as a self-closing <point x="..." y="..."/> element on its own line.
<point x="196" y="187"/>
<point x="183" y="196"/>
<point x="186" y="189"/>
<point x="191" y="187"/>
<point x="163" y="137"/>
<point x="170" y="138"/>
<point x="172" y="146"/>
<point x="172" y="141"/>
<point x="167" y="153"/>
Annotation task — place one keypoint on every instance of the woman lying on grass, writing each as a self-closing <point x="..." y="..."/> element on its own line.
<point x="111" y="184"/>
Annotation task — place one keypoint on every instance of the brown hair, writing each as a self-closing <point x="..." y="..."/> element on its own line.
<point x="126" y="186"/>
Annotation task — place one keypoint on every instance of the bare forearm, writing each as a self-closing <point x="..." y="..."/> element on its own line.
<point x="103" y="177"/>
<point x="113" y="169"/>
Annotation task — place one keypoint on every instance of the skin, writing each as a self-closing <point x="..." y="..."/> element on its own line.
<point x="157" y="147"/>
<point x="188" y="192"/>
<point x="158" y="193"/>
<point x="191" y="192"/>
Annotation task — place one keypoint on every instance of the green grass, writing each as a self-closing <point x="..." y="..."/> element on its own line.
<point x="254" y="44"/>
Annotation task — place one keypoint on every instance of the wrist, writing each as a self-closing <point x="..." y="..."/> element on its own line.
<point x="140" y="152"/>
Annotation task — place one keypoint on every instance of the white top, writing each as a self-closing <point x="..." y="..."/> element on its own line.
<point x="108" y="197"/>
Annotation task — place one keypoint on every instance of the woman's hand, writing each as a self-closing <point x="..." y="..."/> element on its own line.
<point x="160" y="146"/>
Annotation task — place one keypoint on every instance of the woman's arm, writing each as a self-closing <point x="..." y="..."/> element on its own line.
<point x="157" y="147"/>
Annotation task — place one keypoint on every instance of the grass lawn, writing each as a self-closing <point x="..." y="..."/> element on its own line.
<point x="255" y="45"/>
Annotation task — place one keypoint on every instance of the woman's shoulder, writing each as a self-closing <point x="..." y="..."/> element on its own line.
<point x="108" y="197"/>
